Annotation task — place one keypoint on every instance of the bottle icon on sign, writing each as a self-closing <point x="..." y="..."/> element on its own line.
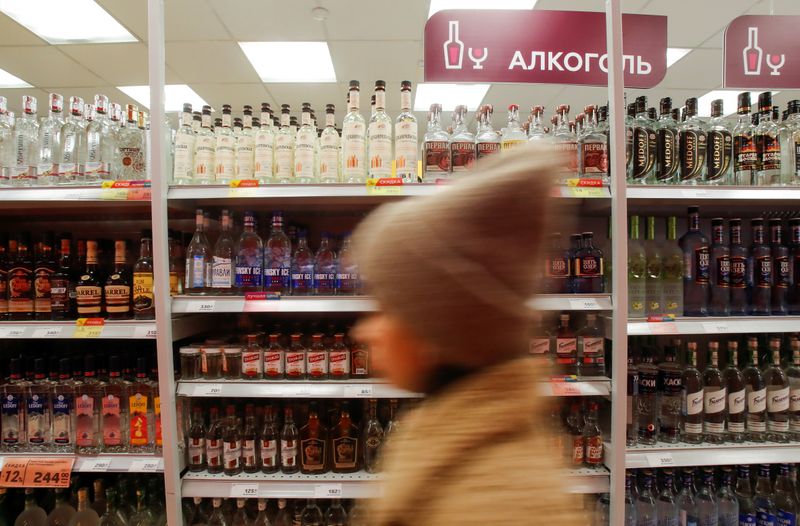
<point x="453" y="48"/>
<point x="752" y="54"/>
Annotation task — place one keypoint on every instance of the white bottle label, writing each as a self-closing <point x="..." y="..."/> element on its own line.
<point x="295" y="363"/>
<point x="288" y="452"/>
<point x="249" y="453"/>
<point x="794" y="398"/>
<point x="778" y="400"/>
<point x="231" y="452"/>
<point x="339" y="363"/>
<point x="694" y="403"/>
<point x="221" y="277"/>
<point x="251" y="364"/>
<point x="714" y="401"/>
<point x="184" y="145"/>
<point x="353" y="150"/>
<point x="736" y="402"/>
<point x="263" y="154"/>
<point x="244" y="157"/>
<point x="317" y="363"/>
<point x="269" y="452"/>
<point x="283" y="156"/>
<point x="757" y="401"/>
<point x="225" y="158"/>
<point x="405" y="150"/>
<point x="273" y="363"/>
<point x="304" y="154"/>
<point x="204" y="158"/>
<point x="329" y="156"/>
<point x="380" y="149"/>
<point x="538" y="346"/>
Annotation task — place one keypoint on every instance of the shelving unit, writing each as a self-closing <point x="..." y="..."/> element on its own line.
<point x="103" y="463"/>
<point x="716" y="325"/>
<point x="183" y="327"/>
<point x="291" y="389"/>
<point x="84" y="197"/>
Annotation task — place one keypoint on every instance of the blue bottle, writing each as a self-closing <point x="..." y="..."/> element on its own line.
<point x="687" y="507"/>
<point x="588" y="267"/>
<point x="277" y="258"/>
<point x="780" y="268"/>
<point x="763" y="500"/>
<point x="697" y="267"/>
<point x="760" y="272"/>
<point x="325" y="264"/>
<point x="739" y="257"/>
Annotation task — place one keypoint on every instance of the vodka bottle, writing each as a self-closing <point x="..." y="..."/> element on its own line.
<point x="198" y="259"/>
<point x="707" y="507"/>
<point x="26" y="141"/>
<point x="631" y="400"/>
<point x="513" y="136"/>
<point x="379" y="136"/>
<point x="637" y="272"/>
<point x="88" y="403"/>
<point x="697" y="267"/>
<point x="647" y="408"/>
<point x="405" y="137"/>
<point x="264" y="147"/>
<point x="791" y="145"/>
<point x="245" y="146"/>
<point x="248" y="258"/>
<point x="592" y="148"/>
<point x="462" y="143"/>
<point x="646" y="508"/>
<point x="302" y="275"/>
<point x="311" y="514"/>
<point x="13" y="409"/>
<point x="739" y="256"/>
<point x="666" y="507"/>
<point x="240" y="517"/>
<point x="100" y="144"/>
<point x="720" y="272"/>
<point x="114" y="422"/>
<point x="32" y="515"/>
<point x="654" y="286"/>
<point x="183" y="149"/>
<point x="38" y="410"/>
<point x="223" y="269"/>
<point x="354" y="138"/>
<point x="325" y="263"/>
<point x="591" y="348"/>
<point x="767" y="138"/>
<point x="284" y="148"/>
<point x="348" y="282"/>
<point x="131" y="144"/>
<point x="756" y="391"/>
<point x="277" y="258"/>
<point x="435" y="148"/>
<point x="62" y="512"/>
<point x="687" y="506"/>
<point x="692" y="398"/>
<point x="63" y="400"/>
<point x="643" y="162"/>
<point x="673" y="263"/>
<point x="727" y="503"/>
<point x="745" y="150"/>
<point x="781" y="273"/>
<point x="793" y="298"/>
<point x="692" y="146"/>
<point x="305" y="148"/>
<point x="536" y="130"/>
<point x="7" y="144"/>
<point x="777" y="395"/>
<point x="735" y="386"/>
<point x="719" y="147"/>
<point x="793" y="374"/>
<point x="760" y="271"/>
<point x="714" y="397"/>
<point x="213" y="441"/>
<point x="566" y="142"/>
<point x="785" y="499"/>
<point x="329" y="168"/>
<point x="50" y="142"/>
<point x="231" y="443"/>
<point x="630" y="502"/>
<point x="487" y="140"/>
<point x="763" y="500"/>
<point x="744" y="496"/>
<point x="666" y="145"/>
<point x="225" y="146"/>
<point x="670" y="387"/>
<point x="205" y="145"/>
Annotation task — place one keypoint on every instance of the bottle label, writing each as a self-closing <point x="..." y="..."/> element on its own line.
<point x="745" y="154"/>
<point x="317" y="363"/>
<point x="182" y="153"/>
<point x="694" y="403"/>
<point x="214" y="453"/>
<point x="736" y="402"/>
<point x="42" y="290"/>
<point x="380" y="149"/>
<point x="794" y="400"/>
<point x="262" y="153"/>
<point x="224" y="157"/>
<point x="778" y="400"/>
<point x="539" y="346"/>
<point x="510" y="144"/>
<point x="738" y="277"/>
<point x="248" y="453"/>
<point x="764" y="517"/>
<point x="769" y="152"/>
<point x="304" y="154"/>
<point x="197" y="450"/>
<point x="463" y="156"/>
<point x="345" y="452"/>
<point x="359" y="362"/>
<point x="118" y="297"/>
<point x="557" y="267"/>
<point x="782" y="274"/>
<point x="644" y="152"/>
<point x="244" y="157"/>
<point x="204" y="147"/>
<point x="569" y="150"/>
<point x="594" y="450"/>
<point x="20" y="290"/>
<point x="589" y="266"/>
<point x="142" y="291"/>
<point x="723" y="271"/>
<point x="289" y="453"/>
<point x="231" y="453"/>
<point x="85" y="423"/>
<point x="112" y="425"/>
<point x="62" y="419"/>
<point x="746" y="519"/>
<point x="353" y="149"/>
<point x="325" y="279"/>
<point x="566" y="351"/>
<point x="11" y="419"/>
<point x="578" y="450"/>
<point x="785" y="518"/>
<point x="666" y="154"/>
<point x="647" y="383"/>
<point x="437" y="157"/>
<point x="487" y="148"/>
<point x="339" y="363"/>
<point x="714" y="401"/>
<point x="763" y="272"/>
<point x="273" y="363"/>
<point x="269" y="453"/>
<point x="405" y="150"/>
<point x="313" y="454"/>
<point x="671" y="383"/>
<point x="221" y="277"/>
<point x="37" y="417"/>
<point x="157" y="418"/>
<point x="295" y="363"/>
<point x="251" y="364"/>
<point x="248" y="276"/>
<point x="347" y="279"/>
<point x="720" y="145"/>
<point x="594" y="156"/>
<point x="196" y="272"/>
<point x="138" y="424"/>
<point x="276" y="271"/>
<point x="329" y="156"/>
<point x="693" y="154"/>
<point x="284" y="148"/>
<point x="757" y="401"/>
<point x="88" y="298"/>
<point x="702" y="263"/>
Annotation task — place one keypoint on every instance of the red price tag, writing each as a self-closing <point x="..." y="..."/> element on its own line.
<point x="36" y="472"/>
<point x="566" y="389"/>
<point x="13" y="474"/>
<point x="244" y="183"/>
<point x="255" y="296"/>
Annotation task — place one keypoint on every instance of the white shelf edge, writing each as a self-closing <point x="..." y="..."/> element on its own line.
<point x="587" y="481"/>
<point x="359" y="485"/>
<point x="715" y="325"/>
<point x="582" y="387"/>
<point x="668" y="455"/>
<point x="738" y="193"/>
<point x="291" y="389"/>
<point x="103" y="463"/>
<point x="125" y="329"/>
<point x="49" y="197"/>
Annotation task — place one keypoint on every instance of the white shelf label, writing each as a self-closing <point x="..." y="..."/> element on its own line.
<point x="144" y="332"/>
<point x="47" y="332"/>
<point x="12" y="332"/>
<point x="663" y="327"/>
<point x="140" y="465"/>
<point x="302" y="390"/>
<point x="660" y="460"/>
<point x="716" y="327"/>
<point x="244" y="490"/>
<point x="201" y="306"/>
<point x="357" y="391"/>
<point x="96" y="464"/>
<point x="328" y="491"/>
<point x="694" y="193"/>
<point x="208" y="390"/>
<point x="584" y="304"/>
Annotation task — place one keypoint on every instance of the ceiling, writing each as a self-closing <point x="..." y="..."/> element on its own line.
<point x="368" y="40"/>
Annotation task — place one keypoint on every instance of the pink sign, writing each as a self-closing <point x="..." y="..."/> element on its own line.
<point x="535" y="46"/>
<point x="762" y="52"/>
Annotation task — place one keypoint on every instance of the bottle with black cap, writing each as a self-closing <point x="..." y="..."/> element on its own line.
<point x="643" y="156"/>
<point x="329" y="165"/>
<point x="720" y="147"/>
<point x="745" y="153"/>
<point x="692" y="146"/>
<point x="405" y="137"/>
<point x="205" y="145"/>
<point x="379" y="136"/>
<point x="790" y="144"/>
<point x="666" y="144"/>
<point x="767" y="135"/>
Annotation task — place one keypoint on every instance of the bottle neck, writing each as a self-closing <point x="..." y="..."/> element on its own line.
<point x="694" y="222"/>
<point x="736" y="235"/>
<point x="146" y="248"/>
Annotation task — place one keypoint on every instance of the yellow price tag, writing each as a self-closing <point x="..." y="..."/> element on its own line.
<point x="385" y="186"/>
<point x="88" y="328"/>
<point x="584" y="191"/>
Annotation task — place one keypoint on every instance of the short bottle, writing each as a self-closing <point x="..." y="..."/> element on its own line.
<point x="252" y="359"/>
<point x="593" y="438"/>
<point x="143" y="301"/>
<point x="314" y="444"/>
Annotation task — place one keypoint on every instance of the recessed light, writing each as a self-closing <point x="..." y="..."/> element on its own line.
<point x="441" y="5"/>
<point x="290" y="61"/>
<point x="449" y="95"/>
<point x="729" y="101"/>
<point x="175" y="95"/>
<point x="7" y="80"/>
<point x="674" y="54"/>
<point x="67" y="22"/>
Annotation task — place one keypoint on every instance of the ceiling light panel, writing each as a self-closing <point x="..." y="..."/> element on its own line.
<point x="290" y="61"/>
<point x="449" y="95"/>
<point x="175" y="96"/>
<point x="674" y="54"/>
<point x="441" y="5"/>
<point x="7" y="80"/>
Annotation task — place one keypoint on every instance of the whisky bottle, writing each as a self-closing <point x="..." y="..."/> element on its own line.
<point x="290" y="436"/>
<point x="760" y="272"/>
<point x="88" y="288"/>
<point x="719" y="147"/>
<point x="647" y="406"/>
<point x="373" y="438"/>
<point x="250" y="441"/>
<point x="196" y="441"/>
<point x="117" y="289"/>
<point x="697" y="269"/>
<point x="268" y="443"/>
<point x="714" y="397"/>
<point x="20" y="282"/>
<point x="735" y="386"/>
<point x="213" y="441"/>
<point x="781" y="276"/>
<point x="231" y="443"/>
<point x="777" y="395"/>
<point x="720" y="272"/>
<point x="140" y="411"/>
<point x="42" y="275"/>
<point x="756" y="391"/>
<point x="60" y="303"/>
<point x="345" y="443"/>
<point x="692" y="146"/>
<point x="666" y="144"/>
<point x="313" y="444"/>
<point x="693" y="398"/>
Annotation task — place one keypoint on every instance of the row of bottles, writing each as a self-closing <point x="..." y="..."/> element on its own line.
<point x="569" y="352"/>
<point x="576" y="432"/>
<point x="272" y="512"/>
<point x="578" y="269"/>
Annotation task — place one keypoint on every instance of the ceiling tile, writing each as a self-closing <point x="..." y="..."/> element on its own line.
<point x="193" y="20"/>
<point x="691" y="23"/>
<point x="132" y="15"/>
<point x="392" y="21"/>
<point x="14" y="34"/>
<point x="357" y="59"/>
<point x="779" y="7"/>
<point x="257" y="20"/>
<point x="237" y="95"/>
<point x="46" y="66"/>
<point x="318" y="95"/>
<point x="700" y="70"/>
<point x="117" y="64"/>
<point x="628" y="6"/>
<point x="222" y="62"/>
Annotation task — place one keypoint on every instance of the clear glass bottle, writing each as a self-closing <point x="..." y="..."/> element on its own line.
<point x="7" y="144"/>
<point x="50" y="142"/>
<point x="63" y="511"/>
<point x="670" y="384"/>
<point x="88" y="404"/>
<point x="63" y="409"/>
<point x="140" y="411"/>
<point x="720" y="271"/>
<point x="687" y="505"/>
<point x="790" y="163"/>
<point x="666" y="129"/>
<point x="591" y="348"/>
<point x="631" y="518"/>
<point x="692" y="146"/>
<point x="302" y="274"/>
<point x="217" y="517"/>
<point x="767" y="138"/>
<point x="536" y="130"/>
<point x="462" y="143"/>
<point x="290" y="446"/>
<point x="38" y="410"/>
<point x="714" y="397"/>
<point x="379" y="136"/>
<point x="183" y="149"/>
<point x="719" y="147"/>
<point x="744" y="496"/>
<point x="777" y="395"/>
<point x="405" y="137"/>
<point x="311" y="514"/>
<point x="373" y="439"/>
<point x="245" y="146"/>
<point x="513" y="135"/>
<point x="205" y="144"/>
<point x="100" y="144"/>
<point x="631" y="401"/>
<point x="33" y="514"/>
<point x="284" y="148"/>
<point x="198" y="259"/>
<point x="654" y="273"/>
<point x="114" y="417"/>
<point x="277" y="258"/>
<point x="13" y="409"/>
<point x="646" y="508"/>
<point x="487" y="139"/>
<point x="785" y="498"/>
<point x="264" y="147"/>
<point x="131" y="144"/>
<point x="225" y="149"/>
<point x="248" y="258"/>
<point x="735" y="386"/>
<point x="305" y="148"/>
<point x="692" y="411"/>
<point x="435" y="148"/>
<point x="793" y="374"/>
<point x="329" y="168"/>
<point x="354" y="138"/>
<point x="707" y="506"/>
<point x="85" y="516"/>
<point x="26" y="144"/>
<point x="223" y="259"/>
<point x="756" y="391"/>
<point x="673" y="263"/>
<point x="764" y="500"/>
<point x="696" y="276"/>
<point x="637" y="272"/>
<point x="592" y="147"/>
<point x="647" y="401"/>
<point x="781" y="268"/>
<point x="745" y="150"/>
<point x="565" y="141"/>
<point x="325" y="265"/>
<point x="666" y="507"/>
<point x="643" y="156"/>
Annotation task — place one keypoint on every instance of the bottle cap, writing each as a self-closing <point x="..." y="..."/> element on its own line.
<point x="765" y="102"/>
<point x="716" y="108"/>
<point x="665" y="105"/>
<point x="355" y="85"/>
<point x="691" y="106"/>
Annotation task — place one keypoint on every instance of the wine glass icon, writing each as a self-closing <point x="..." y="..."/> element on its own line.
<point x="775" y="62"/>
<point x="477" y="55"/>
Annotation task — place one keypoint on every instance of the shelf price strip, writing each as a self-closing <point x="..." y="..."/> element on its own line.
<point x="88" y="327"/>
<point x="36" y="472"/>
<point x="244" y="491"/>
<point x="126" y="191"/>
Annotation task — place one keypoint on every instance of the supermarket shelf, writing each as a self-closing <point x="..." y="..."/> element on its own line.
<point x="208" y="304"/>
<point x="111" y="463"/>
<point x="714" y="325"/>
<point x="359" y="485"/>
<point x="587" y="480"/>
<point x="291" y="389"/>
<point x="573" y="302"/>
<point x="128" y="329"/>
<point x="665" y="455"/>
<point x="68" y="197"/>
<point x="710" y="193"/>
<point x="588" y="386"/>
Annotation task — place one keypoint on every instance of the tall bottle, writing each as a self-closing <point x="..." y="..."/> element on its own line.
<point x="767" y="138"/>
<point x="670" y="391"/>
<point x="719" y="169"/>
<point x="643" y="162"/>
<point x="43" y="271"/>
<point x="462" y="143"/>
<point x="101" y="144"/>
<point x="302" y="274"/>
<point x="405" y="137"/>
<point x="198" y="259"/>
<point x="646" y="507"/>
<point x="714" y="397"/>
<point x="354" y="138"/>
<point x="140" y="411"/>
<point x="325" y="264"/>
<point x="305" y="143"/>
<point x="777" y="384"/>
<point x="38" y="410"/>
<point x="329" y="163"/>
<point x="88" y="404"/>
<point x="284" y="148"/>
<point x="379" y="136"/>
<point x="631" y="400"/>
<point x="672" y="271"/>
<point x="591" y="348"/>
<point x="348" y="281"/>
<point x="183" y="149"/>
<point x="697" y="267"/>
<point x="247" y="256"/>
<point x="667" y="158"/>
<point x="647" y="405"/>
<point x="745" y="150"/>
<point x="205" y="144"/>
<point x="793" y="374"/>
<point x="277" y="258"/>
<point x="566" y="347"/>
<point x="26" y="141"/>
<point x="223" y="259"/>
<point x="720" y="272"/>
<point x="132" y="144"/>
<point x="707" y="507"/>
<point x="114" y="418"/>
<point x="70" y="156"/>
<point x="290" y="447"/>
<point x="692" y="146"/>
<point x="781" y="273"/>
<point x="50" y="142"/>
<point x="735" y="386"/>
<point x="231" y="443"/>
<point x="117" y="288"/>
<point x="435" y="148"/>
<point x="744" y="495"/>
<point x="225" y="149"/>
<point x="373" y="439"/>
<point x="763" y="500"/>
<point x="739" y="256"/>
<point x="245" y="146"/>
<point x="637" y="272"/>
<point x="760" y="272"/>
<point x="513" y="136"/>
<point x="687" y="505"/>
<point x="654" y="272"/>
<point x="693" y="398"/>
<point x="756" y="390"/>
<point x="566" y="141"/>
<point x="144" y="307"/>
<point x="630" y="501"/>
<point x="264" y="147"/>
<point x="487" y="139"/>
<point x="588" y="267"/>
<point x="89" y="289"/>
<point x="666" y="507"/>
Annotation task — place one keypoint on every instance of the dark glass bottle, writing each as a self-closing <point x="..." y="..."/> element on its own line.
<point x="739" y="258"/>
<point x="214" y="441"/>
<point x="780" y="268"/>
<point x="88" y="289"/>
<point x="117" y="289"/>
<point x="249" y="440"/>
<point x="714" y="396"/>
<point x="693" y="398"/>
<point x="760" y="271"/>
<point x="42" y="274"/>
<point x="60" y="302"/>
<point x="345" y="443"/>
<point x="574" y="247"/>
<point x="143" y="305"/>
<point x="196" y="447"/>
<point x="666" y="144"/>
<point x="720" y="275"/>
<point x="696" y="270"/>
<point x="20" y="283"/>
<point x="735" y="386"/>
<point x="670" y="386"/>
<point x="794" y="266"/>
<point x="588" y="266"/>
<point x="557" y="267"/>
<point x="313" y="444"/>
<point x="268" y="443"/>
<point x="290" y="437"/>
<point x="232" y="443"/>
<point x="76" y="271"/>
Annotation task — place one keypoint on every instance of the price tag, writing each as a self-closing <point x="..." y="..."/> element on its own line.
<point x="88" y="328"/>
<point x="585" y="304"/>
<point x="12" y="332"/>
<point x="385" y="186"/>
<point x="244" y="490"/>
<point x="139" y="194"/>
<point x="660" y="460"/>
<point x="13" y="473"/>
<point x="255" y="296"/>
<point x="201" y="306"/>
<point x="47" y="332"/>
<point x="244" y="183"/>
<point x="149" y="465"/>
<point x="665" y="327"/>
<point x="585" y="192"/>
<point x="566" y="389"/>
<point x="96" y="464"/>
<point x="144" y="332"/>
<point x="302" y="390"/>
<point x="694" y="193"/>
<point x="719" y="327"/>
<point x="328" y="491"/>
<point x="208" y="390"/>
<point x="357" y="391"/>
<point x="48" y="472"/>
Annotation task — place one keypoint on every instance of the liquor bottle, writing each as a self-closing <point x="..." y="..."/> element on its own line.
<point x="117" y="289"/>
<point x="745" y="150"/>
<point x="727" y="502"/>
<point x="793" y="374"/>
<point x="790" y="139"/>
<point x="248" y="257"/>
<point x="630" y="502"/>
<point x="283" y="163"/>
<point x="462" y="143"/>
<point x="767" y="139"/>
<point x="224" y="148"/>
<point x="780" y="268"/>
<point x="637" y="272"/>
<point x="513" y="135"/>
<point x="13" y="409"/>
<point x="347" y="275"/>
<point x="647" y="406"/>
<point x="592" y="148"/>
<point x="654" y="273"/>
<point x="38" y="410"/>
<point x="744" y="496"/>
<point x="69" y="156"/>
<point x="4" y="263"/>
<point x="643" y="162"/>
<point x="277" y="258"/>
<point x="735" y="386"/>
<point x="183" y="149"/>
<point x="305" y="148"/>
<point x="205" y="145"/>
<point x="43" y="271"/>
<point x="313" y="444"/>
<point x="213" y="441"/>
<point x="670" y="387"/>
<point x="114" y="418"/>
<point x="231" y="443"/>
<point x="317" y="359"/>
<point x="142" y="420"/>
<point x="325" y="264"/>
<point x="268" y="443"/>
<point x="565" y="141"/>
<point x="62" y="512"/>
<point x="302" y="274"/>
<point x="666" y="507"/>
<point x="777" y="384"/>
<point x="785" y="499"/>
<point x="566" y="347"/>
<point x="88" y="403"/>
<point x="687" y="505"/>
<point x="339" y="359"/>
<point x="672" y="264"/>
<point x="666" y="167"/>
<point x="557" y="267"/>
<point x="345" y="443"/>
<point x="296" y="359"/>
<point x="196" y="441"/>
<point x="693" y="398"/>
<point x="224" y="257"/>
<point x="588" y="267"/>
<point x="697" y="269"/>
<point x="101" y="144"/>
<point x="435" y="148"/>
<point x="707" y="506"/>
<point x="794" y="266"/>
<point x="290" y="436"/>
<point x="311" y="515"/>
<point x="131" y="144"/>
<point x="577" y="445"/>
<point x="739" y="256"/>
<point x="591" y="348"/>
<point x="379" y="136"/>
<point x="692" y="146"/>
<point x="537" y="132"/>
<point x="88" y="288"/>
<point x="20" y="282"/>
<point x="329" y="163"/>
<point x="249" y="439"/>
<point x="198" y="258"/>
<point x="245" y="146"/>
<point x="26" y="144"/>
<point x="719" y="147"/>
<point x="252" y="359"/>
<point x="760" y="271"/>
<point x="487" y="140"/>
<point x="720" y="272"/>
<point x="353" y="138"/>
<point x="646" y="509"/>
<point x="273" y="359"/>
<point x="49" y="141"/>
<point x="63" y="409"/>
<point x="714" y="397"/>
<point x="756" y="391"/>
<point x="631" y="400"/>
<point x="373" y="439"/>
<point x="763" y="499"/>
